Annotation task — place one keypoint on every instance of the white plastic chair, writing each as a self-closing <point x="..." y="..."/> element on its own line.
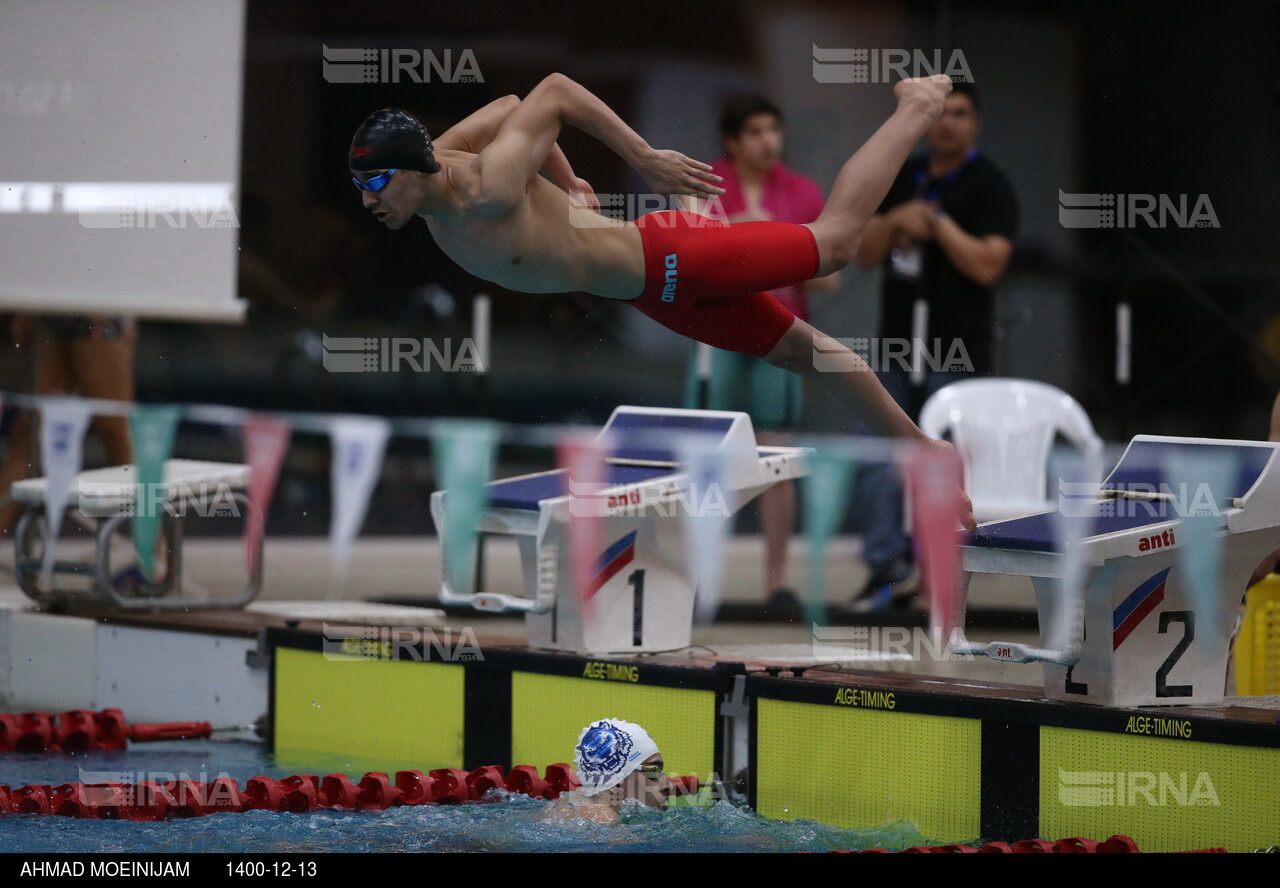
<point x="1004" y="430"/>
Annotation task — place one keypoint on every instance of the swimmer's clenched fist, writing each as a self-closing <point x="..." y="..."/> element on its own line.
<point x="924" y="93"/>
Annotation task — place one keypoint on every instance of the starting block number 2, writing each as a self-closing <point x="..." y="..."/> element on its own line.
<point x="1163" y="688"/>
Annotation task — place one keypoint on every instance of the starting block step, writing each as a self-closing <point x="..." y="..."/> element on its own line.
<point x="105" y="500"/>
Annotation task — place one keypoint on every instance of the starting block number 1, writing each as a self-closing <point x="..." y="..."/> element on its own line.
<point x="636" y="581"/>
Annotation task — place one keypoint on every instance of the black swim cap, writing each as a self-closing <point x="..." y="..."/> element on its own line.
<point x="392" y="139"/>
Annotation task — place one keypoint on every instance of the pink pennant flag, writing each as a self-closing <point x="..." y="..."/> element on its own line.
<point x="934" y="482"/>
<point x="586" y="475"/>
<point x="265" y="442"/>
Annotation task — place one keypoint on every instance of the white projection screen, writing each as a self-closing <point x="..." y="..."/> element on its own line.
<point x="119" y="157"/>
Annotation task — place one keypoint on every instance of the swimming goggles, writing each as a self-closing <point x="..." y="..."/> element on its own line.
<point x="373" y="183"/>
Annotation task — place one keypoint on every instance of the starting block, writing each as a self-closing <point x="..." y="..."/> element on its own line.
<point x="1132" y="634"/>
<point x="105" y="501"/>
<point x="642" y="596"/>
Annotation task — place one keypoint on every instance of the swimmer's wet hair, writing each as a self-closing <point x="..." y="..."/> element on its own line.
<point x="392" y="139"/>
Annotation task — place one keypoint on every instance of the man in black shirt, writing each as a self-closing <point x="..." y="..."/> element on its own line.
<point x="944" y="235"/>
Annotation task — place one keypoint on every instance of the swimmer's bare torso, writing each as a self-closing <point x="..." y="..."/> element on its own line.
<point x="543" y="244"/>
<point x="500" y="205"/>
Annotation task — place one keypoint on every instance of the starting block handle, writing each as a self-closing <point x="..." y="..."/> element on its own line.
<point x="543" y="601"/>
<point x="1013" y="652"/>
<point x="493" y="602"/>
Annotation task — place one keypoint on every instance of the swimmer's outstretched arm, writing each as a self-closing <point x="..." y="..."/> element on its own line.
<point x="528" y="134"/>
<point x="474" y="133"/>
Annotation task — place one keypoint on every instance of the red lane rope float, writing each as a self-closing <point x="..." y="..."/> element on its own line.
<point x="82" y="730"/>
<point x="1074" y="845"/>
<point x="167" y="800"/>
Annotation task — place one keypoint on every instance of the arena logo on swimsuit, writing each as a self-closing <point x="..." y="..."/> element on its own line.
<point x="669" y="288"/>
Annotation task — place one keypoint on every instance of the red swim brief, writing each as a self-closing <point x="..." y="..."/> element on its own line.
<point x="707" y="279"/>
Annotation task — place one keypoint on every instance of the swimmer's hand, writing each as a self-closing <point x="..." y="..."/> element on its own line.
<point x="670" y="172"/>
<point x="925" y="94"/>
<point x="964" y="505"/>
<point x="965" y="513"/>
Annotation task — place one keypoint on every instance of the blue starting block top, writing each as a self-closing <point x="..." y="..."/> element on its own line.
<point x="637" y="435"/>
<point x="1035" y="533"/>
<point x="526" y="493"/>
<point x="1143" y="467"/>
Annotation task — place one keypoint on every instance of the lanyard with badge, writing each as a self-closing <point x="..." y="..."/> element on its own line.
<point x="907" y="263"/>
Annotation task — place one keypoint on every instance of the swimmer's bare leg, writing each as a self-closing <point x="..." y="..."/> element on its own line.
<point x="847" y="378"/>
<point x="865" y="178"/>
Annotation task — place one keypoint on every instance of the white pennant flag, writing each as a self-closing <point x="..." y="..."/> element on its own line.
<point x="707" y="518"/>
<point x="358" y="445"/>
<point x="1202" y="528"/>
<point x="1075" y="519"/>
<point x="64" y="422"/>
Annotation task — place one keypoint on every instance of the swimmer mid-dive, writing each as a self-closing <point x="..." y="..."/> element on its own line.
<point x="615" y="760"/>
<point x="479" y="188"/>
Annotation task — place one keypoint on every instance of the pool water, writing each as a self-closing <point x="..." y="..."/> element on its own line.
<point x="509" y="824"/>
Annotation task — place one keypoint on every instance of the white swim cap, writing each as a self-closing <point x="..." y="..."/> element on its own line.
<point x="608" y="751"/>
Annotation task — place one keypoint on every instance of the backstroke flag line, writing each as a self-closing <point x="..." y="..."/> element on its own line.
<point x="706" y="518"/>
<point x="464" y="452"/>
<point x="153" y="429"/>
<point x="1202" y="530"/>
<point x="933" y="481"/>
<point x="266" y="441"/>
<point x="825" y="490"/>
<point x="1071" y="522"/>
<point x="582" y="455"/>
<point x="65" y="421"/>
<point x="358" y="446"/>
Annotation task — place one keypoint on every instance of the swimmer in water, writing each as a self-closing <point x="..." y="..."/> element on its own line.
<point x="615" y="760"/>
<point x="479" y="189"/>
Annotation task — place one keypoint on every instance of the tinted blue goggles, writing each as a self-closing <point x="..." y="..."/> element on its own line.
<point x="373" y="183"/>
